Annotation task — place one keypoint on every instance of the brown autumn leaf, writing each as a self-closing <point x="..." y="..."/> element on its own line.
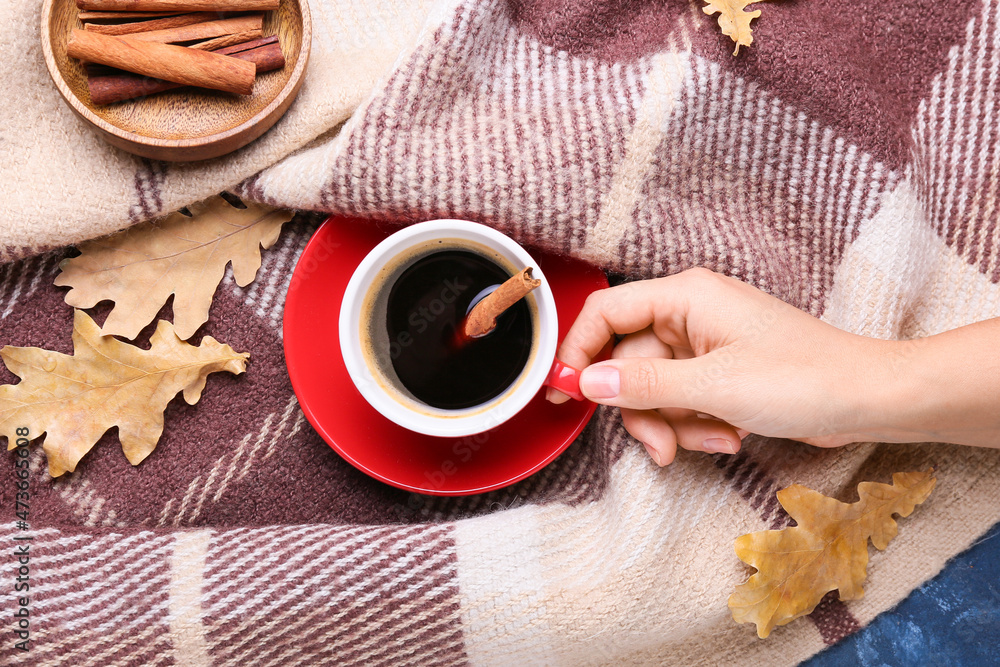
<point x="827" y="550"/>
<point x="734" y="21"/>
<point x="74" y="399"/>
<point x="140" y="267"/>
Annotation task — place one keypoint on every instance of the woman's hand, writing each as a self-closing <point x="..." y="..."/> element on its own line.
<point x="705" y="359"/>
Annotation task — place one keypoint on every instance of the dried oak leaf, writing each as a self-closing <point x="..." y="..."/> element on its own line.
<point x="74" y="399"/>
<point x="140" y="267"/>
<point x="733" y="20"/>
<point x="827" y="550"/>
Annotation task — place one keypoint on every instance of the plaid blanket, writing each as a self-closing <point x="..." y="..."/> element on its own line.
<point x="846" y="162"/>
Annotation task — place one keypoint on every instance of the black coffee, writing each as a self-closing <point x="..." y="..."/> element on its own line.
<point x="425" y="311"/>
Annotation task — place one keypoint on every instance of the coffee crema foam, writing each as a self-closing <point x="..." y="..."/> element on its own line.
<point x="374" y="336"/>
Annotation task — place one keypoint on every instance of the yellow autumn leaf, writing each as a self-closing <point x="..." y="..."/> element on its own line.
<point x="827" y="550"/>
<point x="140" y="267"/>
<point x="74" y="399"/>
<point x="734" y="21"/>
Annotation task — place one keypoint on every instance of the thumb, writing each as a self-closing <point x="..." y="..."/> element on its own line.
<point x="643" y="383"/>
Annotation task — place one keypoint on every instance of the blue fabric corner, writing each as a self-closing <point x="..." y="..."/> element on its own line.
<point x="952" y="620"/>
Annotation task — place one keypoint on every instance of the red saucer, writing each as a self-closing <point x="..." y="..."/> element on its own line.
<point x="441" y="466"/>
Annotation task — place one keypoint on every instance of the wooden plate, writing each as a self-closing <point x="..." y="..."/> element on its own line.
<point x="188" y="123"/>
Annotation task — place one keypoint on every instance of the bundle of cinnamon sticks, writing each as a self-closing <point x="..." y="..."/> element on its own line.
<point x="149" y="46"/>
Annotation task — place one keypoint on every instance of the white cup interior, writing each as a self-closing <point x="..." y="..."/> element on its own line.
<point x="365" y="345"/>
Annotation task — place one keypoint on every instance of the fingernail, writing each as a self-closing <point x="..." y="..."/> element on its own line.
<point x="718" y="446"/>
<point x="653" y="454"/>
<point x="600" y="382"/>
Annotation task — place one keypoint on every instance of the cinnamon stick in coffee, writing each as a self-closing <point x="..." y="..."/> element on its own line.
<point x="179" y="5"/>
<point x="112" y="86"/>
<point x="483" y="317"/>
<point x="204" y="30"/>
<point x="131" y="27"/>
<point x="165" y="61"/>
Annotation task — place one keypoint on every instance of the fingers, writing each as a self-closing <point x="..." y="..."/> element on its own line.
<point x="706" y="435"/>
<point x="623" y="309"/>
<point x="643" y="343"/>
<point x="661" y="434"/>
<point x="643" y="383"/>
<point x="652" y="430"/>
<point x="629" y="308"/>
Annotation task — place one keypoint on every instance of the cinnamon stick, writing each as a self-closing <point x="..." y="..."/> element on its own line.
<point x="146" y="26"/>
<point x="178" y="5"/>
<point x="252" y="44"/>
<point x="483" y="317"/>
<point x="125" y="16"/>
<point x="227" y="40"/>
<point x="204" y="30"/>
<point x="94" y="69"/>
<point x="115" y="85"/>
<point x="165" y="61"/>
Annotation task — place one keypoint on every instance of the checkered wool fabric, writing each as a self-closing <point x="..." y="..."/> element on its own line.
<point x="848" y="163"/>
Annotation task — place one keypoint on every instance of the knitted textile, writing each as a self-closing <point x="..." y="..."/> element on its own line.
<point x="846" y="162"/>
